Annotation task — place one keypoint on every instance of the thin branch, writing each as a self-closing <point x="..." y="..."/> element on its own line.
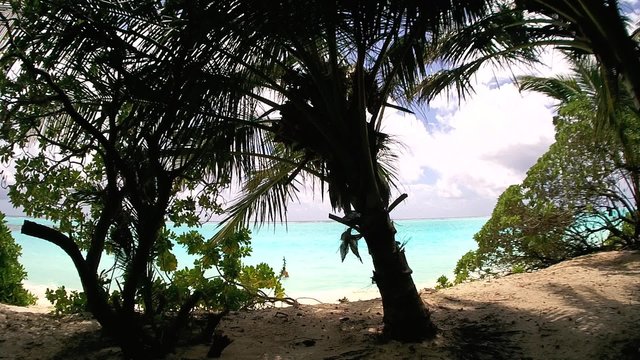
<point x="397" y="201"/>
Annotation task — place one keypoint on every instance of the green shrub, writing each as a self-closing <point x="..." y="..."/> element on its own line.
<point x="219" y="274"/>
<point x="235" y="286"/>
<point x="443" y="282"/>
<point x="11" y="271"/>
<point x="466" y="266"/>
<point x="67" y="302"/>
<point x="518" y="269"/>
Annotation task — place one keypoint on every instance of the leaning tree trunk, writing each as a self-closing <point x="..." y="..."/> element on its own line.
<point x="96" y="298"/>
<point x="405" y="316"/>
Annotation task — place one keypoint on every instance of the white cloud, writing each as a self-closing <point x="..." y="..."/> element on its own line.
<point x="493" y="121"/>
<point x="488" y="143"/>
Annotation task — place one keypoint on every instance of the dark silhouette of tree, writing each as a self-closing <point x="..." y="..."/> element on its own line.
<point x="269" y="94"/>
<point x="114" y="133"/>
<point x="581" y="27"/>
<point x="325" y="72"/>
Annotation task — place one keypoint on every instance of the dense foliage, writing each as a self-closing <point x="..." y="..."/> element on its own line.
<point x="12" y="273"/>
<point x="67" y="302"/>
<point x="581" y="196"/>
<point x="112" y="140"/>
<point x="232" y="286"/>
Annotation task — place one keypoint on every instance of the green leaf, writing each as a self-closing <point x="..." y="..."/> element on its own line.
<point x="344" y="250"/>
<point x="353" y="245"/>
<point x="167" y="261"/>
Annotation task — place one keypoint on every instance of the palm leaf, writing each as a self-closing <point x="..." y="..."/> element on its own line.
<point x="349" y="242"/>
<point x="562" y="88"/>
<point x="266" y="193"/>
<point x="353" y="245"/>
<point x="344" y="250"/>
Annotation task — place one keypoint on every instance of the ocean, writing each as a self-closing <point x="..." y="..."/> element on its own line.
<point x="316" y="273"/>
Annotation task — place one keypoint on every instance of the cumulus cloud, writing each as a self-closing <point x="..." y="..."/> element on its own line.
<point x="520" y="157"/>
<point x="459" y="161"/>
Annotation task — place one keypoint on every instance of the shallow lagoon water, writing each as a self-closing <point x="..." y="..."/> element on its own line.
<point x="433" y="246"/>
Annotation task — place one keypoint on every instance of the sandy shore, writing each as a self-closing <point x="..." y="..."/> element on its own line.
<point x="586" y="308"/>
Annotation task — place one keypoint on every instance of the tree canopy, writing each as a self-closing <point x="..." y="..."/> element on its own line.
<point x="114" y="134"/>
<point x="580" y="196"/>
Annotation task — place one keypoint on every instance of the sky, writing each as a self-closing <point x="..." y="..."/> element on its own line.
<point x="459" y="154"/>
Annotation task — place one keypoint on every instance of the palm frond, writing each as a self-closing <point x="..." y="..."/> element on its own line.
<point x="348" y="242"/>
<point x="562" y="88"/>
<point x="589" y="86"/>
<point x="501" y="39"/>
<point x="602" y="30"/>
<point x="264" y="197"/>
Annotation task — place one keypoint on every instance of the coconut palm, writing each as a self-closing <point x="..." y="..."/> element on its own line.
<point x="330" y="70"/>
<point x="595" y="27"/>
<point x="611" y="85"/>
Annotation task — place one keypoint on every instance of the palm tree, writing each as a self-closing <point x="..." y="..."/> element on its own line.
<point x="578" y="27"/>
<point x="598" y="28"/>
<point x="330" y="69"/>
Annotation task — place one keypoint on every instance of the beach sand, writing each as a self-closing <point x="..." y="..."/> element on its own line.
<point x="586" y="308"/>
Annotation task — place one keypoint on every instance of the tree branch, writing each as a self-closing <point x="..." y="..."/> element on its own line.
<point x="397" y="201"/>
<point x="55" y="237"/>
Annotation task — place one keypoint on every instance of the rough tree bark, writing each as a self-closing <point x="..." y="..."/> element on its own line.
<point x="96" y="297"/>
<point x="405" y="316"/>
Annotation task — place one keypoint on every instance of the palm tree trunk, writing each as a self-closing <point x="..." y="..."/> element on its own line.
<point x="405" y="316"/>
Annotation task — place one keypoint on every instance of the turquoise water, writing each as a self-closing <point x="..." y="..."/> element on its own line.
<point x="311" y="251"/>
